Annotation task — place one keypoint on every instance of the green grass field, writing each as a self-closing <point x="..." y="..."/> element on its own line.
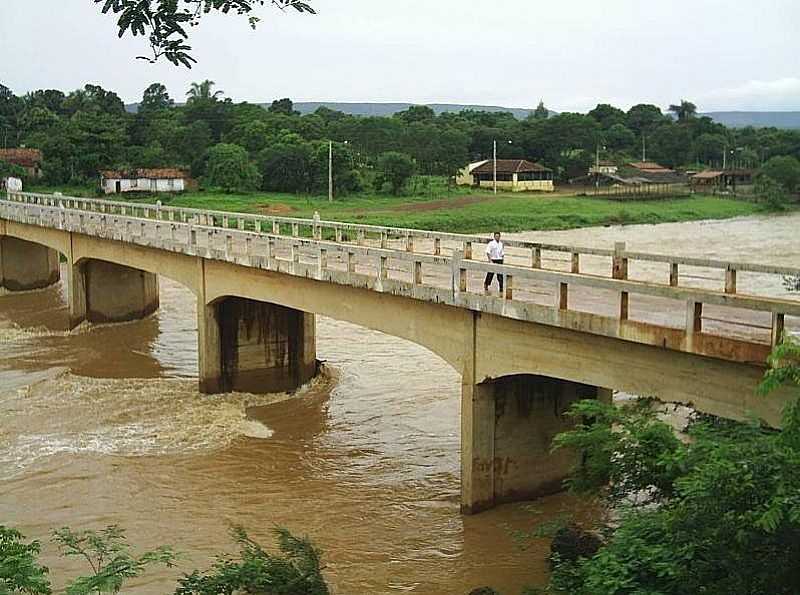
<point x="459" y="210"/>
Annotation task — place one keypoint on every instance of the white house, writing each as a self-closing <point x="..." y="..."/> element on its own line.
<point x="464" y="176"/>
<point x="144" y="180"/>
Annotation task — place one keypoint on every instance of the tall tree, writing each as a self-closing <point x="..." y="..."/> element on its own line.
<point x="541" y="112"/>
<point x="203" y="91"/>
<point x="684" y="111"/>
<point x="283" y="106"/>
<point x="155" y="98"/>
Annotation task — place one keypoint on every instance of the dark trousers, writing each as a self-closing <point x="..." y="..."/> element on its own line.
<point x="490" y="276"/>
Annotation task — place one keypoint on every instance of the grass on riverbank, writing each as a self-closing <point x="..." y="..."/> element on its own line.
<point x="462" y="210"/>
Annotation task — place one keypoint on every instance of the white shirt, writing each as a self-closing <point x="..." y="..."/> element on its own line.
<point x="495" y="250"/>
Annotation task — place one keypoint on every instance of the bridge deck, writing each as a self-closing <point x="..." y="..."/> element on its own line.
<point x="728" y="310"/>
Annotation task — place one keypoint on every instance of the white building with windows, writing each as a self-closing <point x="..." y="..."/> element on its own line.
<point x="144" y="180"/>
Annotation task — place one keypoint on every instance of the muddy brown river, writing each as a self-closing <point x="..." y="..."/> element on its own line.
<point x="104" y="425"/>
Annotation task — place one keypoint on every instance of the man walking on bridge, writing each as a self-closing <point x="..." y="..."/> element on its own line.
<point x="495" y="253"/>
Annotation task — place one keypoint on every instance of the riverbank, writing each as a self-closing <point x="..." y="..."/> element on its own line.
<point x="461" y="211"/>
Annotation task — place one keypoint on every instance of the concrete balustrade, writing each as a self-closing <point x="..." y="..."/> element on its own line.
<point x="523" y="355"/>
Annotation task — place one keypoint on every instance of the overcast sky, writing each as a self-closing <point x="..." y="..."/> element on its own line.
<point x="573" y="54"/>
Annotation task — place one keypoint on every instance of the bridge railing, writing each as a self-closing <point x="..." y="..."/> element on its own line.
<point x="617" y="263"/>
<point x="448" y="279"/>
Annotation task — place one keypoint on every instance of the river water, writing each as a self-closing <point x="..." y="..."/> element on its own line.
<point x="104" y="425"/>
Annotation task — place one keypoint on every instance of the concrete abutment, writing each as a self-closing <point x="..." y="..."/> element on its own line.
<point x="256" y="347"/>
<point x="508" y="428"/>
<point x="25" y="266"/>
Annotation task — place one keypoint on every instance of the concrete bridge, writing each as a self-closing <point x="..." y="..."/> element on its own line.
<point x="572" y="323"/>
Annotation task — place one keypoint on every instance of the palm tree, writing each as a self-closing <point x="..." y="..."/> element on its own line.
<point x="685" y="111"/>
<point x="203" y="91"/>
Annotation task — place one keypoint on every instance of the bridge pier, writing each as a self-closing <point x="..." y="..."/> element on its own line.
<point x="255" y="347"/>
<point x="103" y="292"/>
<point x="25" y="266"/>
<point x="508" y="426"/>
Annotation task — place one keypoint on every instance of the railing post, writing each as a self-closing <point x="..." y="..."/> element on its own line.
<point x="674" y="274"/>
<point x="620" y="271"/>
<point x="241" y="223"/>
<point x="778" y="326"/>
<point x="437" y="246"/>
<point x="276" y="228"/>
<point x="563" y="296"/>
<point x="383" y="267"/>
<point x="295" y="230"/>
<point x="384" y="240"/>
<point x="467" y="250"/>
<point x="338" y="234"/>
<point x="458" y="274"/>
<point x="536" y="258"/>
<point x="409" y="243"/>
<point x="417" y="272"/>
<point x="323" y="261"/>
<point x="258" y="225"/>
<point x="295" y="253"/>
<point x="694" y="317"/>
<point x="360" y="237"/>
<point x="730" y="281"/>
<point x="509" y="285"/>
<point x="351" y="262"/>
<point x="576" y="263"/>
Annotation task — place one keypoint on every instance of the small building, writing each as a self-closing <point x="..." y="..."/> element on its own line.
<point x="28" y="159"/>
<point x="144" y="180"/>
<point x="517" y="175"/>
<point x="650" y="167"/>
<point x="720" y="180"/>
<point x="604" y="167"/>
<point x="465" y="177"/>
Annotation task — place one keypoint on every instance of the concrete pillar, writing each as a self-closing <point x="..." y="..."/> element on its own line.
<point x="507" y="433"/>
<point x="255" y="347"/>
<point x="104" y="292"/>
<point x="25" y="266"/>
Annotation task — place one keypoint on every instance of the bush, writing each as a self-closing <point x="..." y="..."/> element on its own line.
<point x="395" y="169"/>
<point x="785" y="170"/>
<point x="229" y="168"/>
<point x="20" y="572"/>
<point x="773" y="196"/>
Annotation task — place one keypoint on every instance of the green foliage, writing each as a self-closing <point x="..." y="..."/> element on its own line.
<point x="724" y="513"/>
<point x="229" y="168"/>
<point x="773" y="195"/>
<point x="297" y="570"/>
<point x="785" y="170"/>
<point x="11" y="170"/>
<point x="396" y="170"/>
<point x="684" y="111"/>
<point x="166" y="23"/>
<point x="20" y="571"/>
<point x="108" y="555"/>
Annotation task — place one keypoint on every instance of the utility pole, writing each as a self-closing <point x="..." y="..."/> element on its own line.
<point x="330" y="171"/>
<point x="494" y="161"/>
<point x="644" y="149"/>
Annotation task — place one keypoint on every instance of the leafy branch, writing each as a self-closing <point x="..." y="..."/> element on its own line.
<point x="166" y="22"/>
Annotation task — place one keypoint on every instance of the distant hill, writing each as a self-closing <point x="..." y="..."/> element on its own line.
<point x="757" y="119"/>
<point x="730" y="119"/>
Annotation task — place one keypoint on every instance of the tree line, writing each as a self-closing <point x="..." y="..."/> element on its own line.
<point x="244" y="146"/>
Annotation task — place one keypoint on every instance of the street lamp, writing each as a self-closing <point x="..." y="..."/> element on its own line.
<point x="494" y="143"/>
<point x="330" y="169"/>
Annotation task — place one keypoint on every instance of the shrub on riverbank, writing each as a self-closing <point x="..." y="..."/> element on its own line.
<point x="718" y="514"/>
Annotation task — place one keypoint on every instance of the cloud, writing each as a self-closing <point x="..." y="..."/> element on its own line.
<point x="778" y="94"/>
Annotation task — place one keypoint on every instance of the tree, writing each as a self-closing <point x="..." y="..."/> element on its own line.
<point x="784" y="170"/>
<point x="708" y="147"/>
<point x="20" y="571"/>
<point x="229" y="168"/>
<point x="644" y="118"/>
<point x="684" y="111"/>
<point x="619" y="138"/>
<point x="416" y="113"/>
<point x="95" y="99"/>
<point x="724" y="514"/>
<point x="155" y="98"/>
<point x="671" y="144"/>
<point x="10" y="170"/>
<point x="287" y="166"/>
<point x="165" y="22"/>
<point x="109" y="557"/>
<point x="283" y="106"/>
<point x="396" y="170"/>
<point x="541" y="112"/>
<point x="607" y="115"/>
<point x="203" y="92"/>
